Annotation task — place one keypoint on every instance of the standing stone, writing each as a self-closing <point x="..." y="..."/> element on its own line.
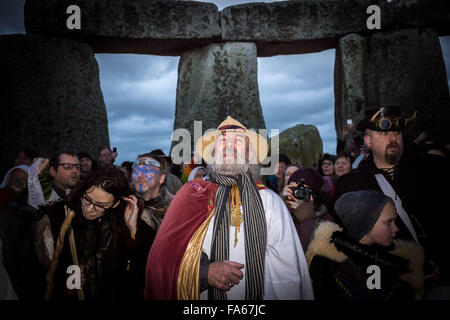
<point x="51" y="97"/>
<point x="216" y="81"/>
<point x="406" y="67"/>
<point x="302" y="144"/>
<point x="351" y="59"/>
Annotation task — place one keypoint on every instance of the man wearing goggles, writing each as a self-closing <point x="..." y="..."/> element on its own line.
<point x="148" y="177"/>
<point x="383" y="128"/>
<point x="409" y="178"/>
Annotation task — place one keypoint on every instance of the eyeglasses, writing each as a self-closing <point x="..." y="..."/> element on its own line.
<point x="386" y="123"/>
<point x="86" y="201"/>
<point x="69" y="166"/>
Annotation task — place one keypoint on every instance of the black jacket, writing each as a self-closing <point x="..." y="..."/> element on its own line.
<point x="420" y="181"/>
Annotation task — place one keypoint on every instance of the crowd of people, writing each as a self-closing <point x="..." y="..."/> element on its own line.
<point x="369" y="223"/>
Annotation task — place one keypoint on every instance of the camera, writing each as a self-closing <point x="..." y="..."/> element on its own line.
<point x="301" y="191"/>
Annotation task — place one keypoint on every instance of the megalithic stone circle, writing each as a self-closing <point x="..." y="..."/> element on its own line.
<point x="201" y="34"/>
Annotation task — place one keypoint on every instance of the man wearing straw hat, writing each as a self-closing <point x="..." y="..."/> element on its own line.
<point x="229" y="238"/>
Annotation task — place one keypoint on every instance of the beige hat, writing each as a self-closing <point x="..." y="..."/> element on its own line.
<point x="206" y="143"/>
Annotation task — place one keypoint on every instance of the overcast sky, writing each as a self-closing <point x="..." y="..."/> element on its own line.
<point x="140" y="91"/>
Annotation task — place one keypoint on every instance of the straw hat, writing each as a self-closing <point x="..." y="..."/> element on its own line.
<point x="206" y="143"/>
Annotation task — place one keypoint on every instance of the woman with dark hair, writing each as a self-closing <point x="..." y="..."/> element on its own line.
<point x="326" y="169"/>
<point x="112" y="241"/>
<point x="307" y="212"/>
<point x="326" y="165"/>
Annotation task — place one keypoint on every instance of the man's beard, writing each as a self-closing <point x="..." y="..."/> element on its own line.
<point x="229" y="169"/>
<point x="392" y="158"/>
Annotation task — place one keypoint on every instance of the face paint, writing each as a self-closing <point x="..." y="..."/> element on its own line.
<point x="148" y="172"/>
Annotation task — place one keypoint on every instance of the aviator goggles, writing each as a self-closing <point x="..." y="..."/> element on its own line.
<point x="384" y="123"/>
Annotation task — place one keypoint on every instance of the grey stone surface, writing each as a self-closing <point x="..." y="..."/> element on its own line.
<point x="50" y="96"/>
<point x="302" y="144"/>
<point x="422" y="13"/>
<point x="215" y="81"/>
<point x="129" y="26"/>
<point x="289" y="27"/>
<point x="406" y="67"/>
<point x="349" y="67"/>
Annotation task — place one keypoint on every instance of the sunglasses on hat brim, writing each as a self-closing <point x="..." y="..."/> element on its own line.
<point x="385" y="123"/>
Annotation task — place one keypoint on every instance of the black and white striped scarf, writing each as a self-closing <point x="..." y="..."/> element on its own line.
<point x="255" y="229"/>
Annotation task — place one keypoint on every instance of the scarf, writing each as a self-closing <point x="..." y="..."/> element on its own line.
<point x="254" y="227"/>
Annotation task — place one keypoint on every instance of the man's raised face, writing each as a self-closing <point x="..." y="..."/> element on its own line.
<point x="231" y="148"/>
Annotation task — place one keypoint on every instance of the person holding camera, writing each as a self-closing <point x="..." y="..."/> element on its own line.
<point x="306" y="203"/>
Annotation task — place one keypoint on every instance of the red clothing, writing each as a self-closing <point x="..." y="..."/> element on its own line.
<point x="187" y="211"/>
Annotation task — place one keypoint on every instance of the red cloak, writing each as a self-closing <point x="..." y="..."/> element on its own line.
<point x="187" y="211"/>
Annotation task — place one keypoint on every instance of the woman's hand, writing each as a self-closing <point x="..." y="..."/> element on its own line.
<point x="131" y="213"/>
<point x="288" y="196"/>
<point x="292" y="201"/>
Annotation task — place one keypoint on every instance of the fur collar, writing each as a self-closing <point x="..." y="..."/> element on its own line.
<point x="321" y="245"/>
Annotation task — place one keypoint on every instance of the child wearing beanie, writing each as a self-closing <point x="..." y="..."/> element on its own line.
<point x="362" y="261"/>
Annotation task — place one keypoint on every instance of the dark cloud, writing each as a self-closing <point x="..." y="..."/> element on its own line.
<point x="11" y="16"/>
